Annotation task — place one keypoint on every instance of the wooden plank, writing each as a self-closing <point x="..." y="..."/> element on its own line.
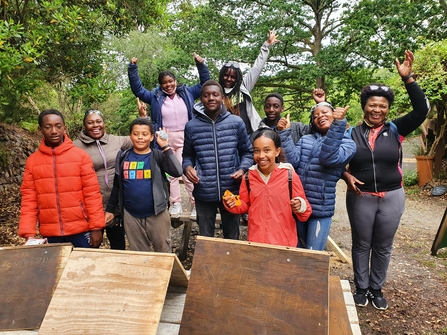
<point x="110" y="292"/>
<point x="183" y="249"/>
<point x="28" y="278"/>
<point x="336" y="249"/>
<point x="240" y="287"/>
<point x="338" y="316"/>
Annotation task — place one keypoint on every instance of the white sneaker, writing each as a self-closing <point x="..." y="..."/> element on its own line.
<point x="175" y="210"/>
<point x="193" y="215"/>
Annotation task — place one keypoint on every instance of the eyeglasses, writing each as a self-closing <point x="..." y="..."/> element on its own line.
<point x="232" y="64"/>
<point x="379" y="87"/>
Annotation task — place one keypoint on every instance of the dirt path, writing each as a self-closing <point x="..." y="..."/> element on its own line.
<point x="416" y="287"/>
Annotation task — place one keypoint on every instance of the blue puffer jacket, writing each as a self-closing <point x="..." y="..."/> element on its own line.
<point x="216" y="149"/>
<point x="320" y="161"/>
<point x="157" y="96"/>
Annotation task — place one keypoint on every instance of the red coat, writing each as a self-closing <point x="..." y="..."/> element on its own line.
<point x="60" y="191"/>
<point x="270" y="218"/>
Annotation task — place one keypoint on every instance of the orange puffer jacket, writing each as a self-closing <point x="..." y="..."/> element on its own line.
<point x="60" y="191"/>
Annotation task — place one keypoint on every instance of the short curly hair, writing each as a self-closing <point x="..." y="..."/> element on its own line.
<point x="376" y="90"/>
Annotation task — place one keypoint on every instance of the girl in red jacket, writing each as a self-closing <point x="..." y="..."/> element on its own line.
<point x="272" y="194"/>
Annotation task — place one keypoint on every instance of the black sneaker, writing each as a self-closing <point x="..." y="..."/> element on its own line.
<point x="361" y="297"/>
<point x="377" y="299"/>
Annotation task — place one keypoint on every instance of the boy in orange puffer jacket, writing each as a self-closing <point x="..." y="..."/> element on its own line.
<point x="60" y="190"/>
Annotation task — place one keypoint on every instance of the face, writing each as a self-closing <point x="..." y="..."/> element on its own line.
<point x="94" y="126"/>
<point x="168" y="84"/>
<point x="211" y="98"/>
<point x="53" y="130"/>
<point x="376" y="110"/>
<point x="265" y="154"/>
<point x="273" y="109"/>
<point x="323" y="118"/>
<point x="229" y="78"/>
<point x="141" y="138"/>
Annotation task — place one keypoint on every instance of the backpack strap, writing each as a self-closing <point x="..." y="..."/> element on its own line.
<point x="247" y="182"/>
<point x="290" y="184"/>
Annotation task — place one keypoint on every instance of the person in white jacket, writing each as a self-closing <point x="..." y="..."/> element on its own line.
<point x="237" y="88"/>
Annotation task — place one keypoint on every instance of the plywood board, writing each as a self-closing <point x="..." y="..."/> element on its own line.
<point x="111" y="292"/>
<point x="247" y="288"/>
<point x="338" y="315"/>
<point x="28" y="278"/>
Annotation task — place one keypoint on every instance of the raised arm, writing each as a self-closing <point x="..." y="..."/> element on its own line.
<point x="252" y="76"/>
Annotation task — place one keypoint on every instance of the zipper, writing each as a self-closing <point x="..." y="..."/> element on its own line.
<point x="56" y="190"/>
<point x="372" y="158"/>
<point x="217" y="159"/>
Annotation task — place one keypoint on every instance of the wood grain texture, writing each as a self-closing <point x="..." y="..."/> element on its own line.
<point x="28" y="278"/>
<point x="248" y="288"/>
<point x="110" y="292"/>
<point x="338" y="315"/>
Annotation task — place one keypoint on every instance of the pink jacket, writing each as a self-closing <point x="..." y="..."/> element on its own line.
<point x="270" y="218"/>
<point x="60" y="192"/>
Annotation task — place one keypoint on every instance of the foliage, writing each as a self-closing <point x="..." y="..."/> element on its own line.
<point x="410" y="178"/>
<point x="238" y="29"/>
<point x="61" y="43"/>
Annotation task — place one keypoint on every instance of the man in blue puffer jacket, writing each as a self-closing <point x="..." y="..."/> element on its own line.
<point x="216" y="154"/>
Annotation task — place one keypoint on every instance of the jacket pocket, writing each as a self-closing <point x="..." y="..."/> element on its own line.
<point x="83" y="211"/>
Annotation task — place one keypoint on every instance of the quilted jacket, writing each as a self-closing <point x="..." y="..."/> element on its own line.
<point x="320" y="161"/>
<point x="216" y="149"/>
<point x="60" y="192"/>
<point x="156" y="97"/>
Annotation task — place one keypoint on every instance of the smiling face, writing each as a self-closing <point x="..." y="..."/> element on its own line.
<point x="265" y="153"/>
<point x="141" y="137"/>
<point x="53" y="130"/>
<point x="322" y="118"/>
<point x="272" y="109"/>
<point x="376" y="109"/>
<point x="229" y="78"/>
<point x="211" y="99"/>
<point x="168" y="84"/>
<point x="94" y="126"/>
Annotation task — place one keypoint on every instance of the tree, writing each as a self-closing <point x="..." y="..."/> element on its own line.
<point x="60" y="42"/>
<point x="238" y="29"/>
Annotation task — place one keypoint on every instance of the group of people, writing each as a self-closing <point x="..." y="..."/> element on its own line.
<point x="282" y="173"/>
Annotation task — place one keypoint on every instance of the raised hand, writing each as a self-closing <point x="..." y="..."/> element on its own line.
<point x="272" y="38"/>
<point x="319" y="95"/>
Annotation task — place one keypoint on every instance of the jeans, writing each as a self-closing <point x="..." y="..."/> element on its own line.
<point x="206" y="219"/>
<point x="313" y="233"/>
<point x="81" y="240"/>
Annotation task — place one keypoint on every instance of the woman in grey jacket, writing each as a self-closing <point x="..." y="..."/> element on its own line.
<point x="102" y="149"/>
<point x="237" y="88"/>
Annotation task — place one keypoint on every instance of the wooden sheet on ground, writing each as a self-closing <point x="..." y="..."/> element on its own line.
<point x="441" y="236"/>
<point x="246" y="288"/>
<point x="112" y="292"/>
<point x="338" y="315"/>
<point x="28" y="278"/>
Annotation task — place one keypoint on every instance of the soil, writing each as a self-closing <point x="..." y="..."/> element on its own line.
<point x="416" y="287"/>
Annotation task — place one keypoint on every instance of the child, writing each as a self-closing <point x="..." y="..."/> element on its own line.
<point x="140" y="189"/>
<point x="237" y="88"/>
<point x="60" y="190"/>
<point x="319" y="159"/>
<point x="172" y="105"/>
<point x="266" y="195"/>
<point x="216" y="154"/>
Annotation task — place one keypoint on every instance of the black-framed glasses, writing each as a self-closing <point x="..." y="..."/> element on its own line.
<point x="379" y="87"/>
<point x="232" y="64"/>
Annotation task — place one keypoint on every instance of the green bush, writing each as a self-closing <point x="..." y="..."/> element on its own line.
<point x="410" y="177"/>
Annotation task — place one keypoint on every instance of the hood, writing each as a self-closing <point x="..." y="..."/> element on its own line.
<point x="84" y="138"/>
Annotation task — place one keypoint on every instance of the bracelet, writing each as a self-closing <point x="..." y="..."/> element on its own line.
<point x="165" y="147"/>
<point x="407" y="77"/>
